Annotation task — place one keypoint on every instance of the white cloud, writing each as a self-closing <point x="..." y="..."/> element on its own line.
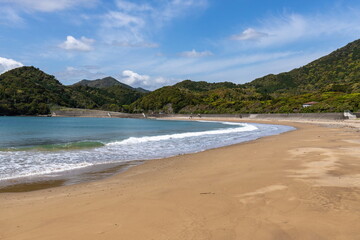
<point x="249" y="34"/>
<point x="136" y="80"/>
<point x="7" y="64"/>
<point x="194" y="54"/>
<point x="73" y="44"/>
<point x="133" y="78"/>
<point x="47" y="5"/>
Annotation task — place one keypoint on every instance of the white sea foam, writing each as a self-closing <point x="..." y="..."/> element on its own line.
<point x="243" y="127"/>
<point x="49" y="169"/>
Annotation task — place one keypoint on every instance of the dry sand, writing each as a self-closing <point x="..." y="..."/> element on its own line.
<point x="303" y="184"/>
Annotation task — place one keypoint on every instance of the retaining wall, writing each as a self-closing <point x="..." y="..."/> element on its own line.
<point x="324" y="116"/>
<point x="107" y="114"/>
<point x="93" y="113"/>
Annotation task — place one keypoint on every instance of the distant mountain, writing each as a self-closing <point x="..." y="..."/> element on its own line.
<point x="109" y="98"/>
<point x="109" y="91"/>
<point x="106" y="83"/>
<point x="100" y="83"/>
<point x="142" y="90"/>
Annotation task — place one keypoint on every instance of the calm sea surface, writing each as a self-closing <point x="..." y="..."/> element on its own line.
<point x="34" y="146"/>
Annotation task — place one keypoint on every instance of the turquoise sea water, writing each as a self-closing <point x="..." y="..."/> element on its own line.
<point x="34" y="146"/>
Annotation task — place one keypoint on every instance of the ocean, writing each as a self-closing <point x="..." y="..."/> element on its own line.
<point x="32" y="147"/>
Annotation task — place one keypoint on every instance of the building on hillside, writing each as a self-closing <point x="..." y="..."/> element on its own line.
<point x="309" y="104"/>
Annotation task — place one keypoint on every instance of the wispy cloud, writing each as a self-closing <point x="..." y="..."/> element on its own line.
<point x="195" y="54"/>
<point x="135" y="45"/>
<point x="175" y="8"/>
<point x="289" y="28"/>
<point x="246" y="73"/>
<point x="9" y="16"/>
<point x="115" y="19"/>
<point x="73" y="44"/>
<point x="198" y="67"/>
<point x="249" y="34"/>
<point x="132" y="24"/>
<point x="7" y="64"/>
<point x="133" y="7"/>
<point x="46" y="5"/>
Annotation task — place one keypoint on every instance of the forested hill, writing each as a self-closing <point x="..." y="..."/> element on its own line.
<point x="30" y="91"/>
<point x="101" y="83"/>
<point x="338" y="71"/>
<point x="27" y="90"/>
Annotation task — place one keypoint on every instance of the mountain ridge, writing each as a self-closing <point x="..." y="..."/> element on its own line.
<point x="107" y="82"/>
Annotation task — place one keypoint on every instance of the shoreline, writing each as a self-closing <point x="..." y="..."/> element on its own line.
<point x="301" y="184"/>
<point x="103" y="170"/>
<point x="67" y="178"/>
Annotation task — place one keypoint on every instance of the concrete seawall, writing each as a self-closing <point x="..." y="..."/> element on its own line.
<point x="93" y="113"/>
<point x="308" y="116"/>
<point x="322" y="116"/>
<point x="108" y="114"/>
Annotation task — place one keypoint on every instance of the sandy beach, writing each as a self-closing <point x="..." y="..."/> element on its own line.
<point x="303" y="184"/>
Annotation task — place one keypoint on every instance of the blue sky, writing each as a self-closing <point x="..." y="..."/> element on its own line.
<point x="160" y="42"/>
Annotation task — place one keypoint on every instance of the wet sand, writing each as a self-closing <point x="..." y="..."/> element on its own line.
<point x="88" y="174"/>
<point x="303" y="184"/>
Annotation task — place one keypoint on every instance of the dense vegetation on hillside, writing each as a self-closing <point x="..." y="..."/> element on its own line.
<point x="29" y="91"/>
<point x="333" y="81"/>
<point x="336" y="72"/>
<point x="203" y="86"/>
<point x="113" y="98"/>
<point x="242" y="99"/>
